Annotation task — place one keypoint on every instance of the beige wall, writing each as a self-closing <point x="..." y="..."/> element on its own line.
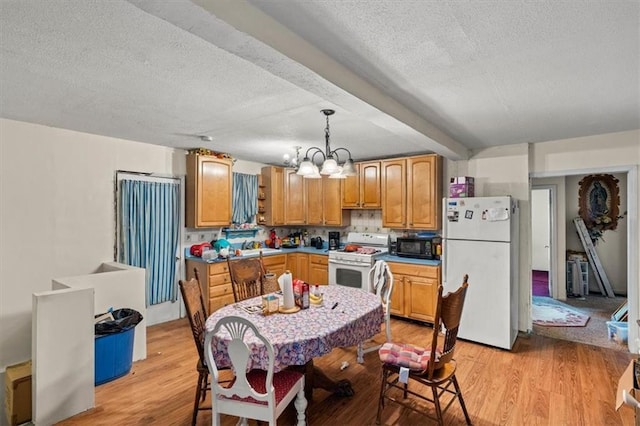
<point x="57" y="213"/>
<point x="609" y="248"/>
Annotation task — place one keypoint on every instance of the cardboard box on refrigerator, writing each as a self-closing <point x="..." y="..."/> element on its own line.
<point x="462" y="187"/>
<point x="628" y="392"/>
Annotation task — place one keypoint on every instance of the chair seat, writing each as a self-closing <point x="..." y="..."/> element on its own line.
<point x="415" y="358"/>
<point x="283" y="381"/>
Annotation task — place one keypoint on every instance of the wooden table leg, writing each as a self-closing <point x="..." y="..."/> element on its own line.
<point x="316" y="378"/>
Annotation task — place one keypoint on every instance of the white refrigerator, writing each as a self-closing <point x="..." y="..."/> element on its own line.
<point x="480" y="238"/>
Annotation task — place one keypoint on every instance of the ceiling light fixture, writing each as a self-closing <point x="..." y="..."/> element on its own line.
<point x="206" y="138"/>
<point x="330" y="158"/>
<point x="290" y="161"/>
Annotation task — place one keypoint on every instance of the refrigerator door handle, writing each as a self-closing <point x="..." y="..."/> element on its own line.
<point x="444" y="262"/>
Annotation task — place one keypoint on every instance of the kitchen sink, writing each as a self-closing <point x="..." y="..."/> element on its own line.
<point x="252" y="252"/>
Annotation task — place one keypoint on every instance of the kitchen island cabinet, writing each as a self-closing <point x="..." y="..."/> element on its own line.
<point x="215" y="283"/>
<point x="208" y="191"/>
<point x="415" y="290"/>
<point x="363" y="190"/>
<point x="412" y="192"/>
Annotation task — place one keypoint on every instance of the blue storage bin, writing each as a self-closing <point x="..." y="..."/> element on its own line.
<point x="618" y="331"/>
<point x="113" y="355"/>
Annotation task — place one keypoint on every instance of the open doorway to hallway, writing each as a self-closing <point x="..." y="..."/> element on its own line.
<point x="554" y="204"/>
<point x="541" y="216"/>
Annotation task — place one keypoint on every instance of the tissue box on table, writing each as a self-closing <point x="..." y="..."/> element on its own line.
<point x="461" y="187"/>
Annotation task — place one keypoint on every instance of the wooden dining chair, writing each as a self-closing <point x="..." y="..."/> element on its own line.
<point x="197" y="314"/>
<point x="256" y="394"/>
<point x="246" y="277"/>
<point x="381" y="282"/>
<point x="433" y="367"/>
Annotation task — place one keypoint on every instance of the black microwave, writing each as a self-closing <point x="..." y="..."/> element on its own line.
<point x="420" y="248"/>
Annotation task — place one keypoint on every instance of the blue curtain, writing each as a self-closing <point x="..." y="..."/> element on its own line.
<point x="150" y="216"/>
<point x="245" y="198"/>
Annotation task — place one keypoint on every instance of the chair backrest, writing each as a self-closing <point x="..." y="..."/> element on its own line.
<point x="240" y="329"/>
<point x="196" y="310"/>
<point x="246" y="277"/>
<point x="448" y="314"/>
<point x="381" y="283"/>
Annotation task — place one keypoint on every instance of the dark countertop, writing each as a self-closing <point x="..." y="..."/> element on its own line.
<point x="325" y="252"/>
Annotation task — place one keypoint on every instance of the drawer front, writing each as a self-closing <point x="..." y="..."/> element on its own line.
<point x="278" y="259"/>
<point x="218" y="280"/>
<point x="218" y="268"/>
<point x="415" y="270"/>
<point x="220" y="290"/>
<point x="218" y="302"/>
<point x="319" y="259"/>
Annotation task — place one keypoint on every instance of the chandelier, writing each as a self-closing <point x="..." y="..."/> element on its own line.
<point x="292" y="161"/>
<point x="330" y="160"/>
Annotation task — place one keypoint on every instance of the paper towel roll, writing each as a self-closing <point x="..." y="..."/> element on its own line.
<point x="286" y="285"/>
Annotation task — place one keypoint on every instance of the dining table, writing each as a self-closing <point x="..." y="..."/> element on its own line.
<point x="347" y="317"/>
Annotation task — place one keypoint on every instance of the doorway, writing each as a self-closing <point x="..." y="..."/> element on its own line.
<point x="541" y="217"/>
<point x="563" y="191"/>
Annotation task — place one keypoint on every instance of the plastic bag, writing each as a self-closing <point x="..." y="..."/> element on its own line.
<point x="123" y="319"/>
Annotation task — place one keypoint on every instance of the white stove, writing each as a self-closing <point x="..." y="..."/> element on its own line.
<point x="351" y="268"/>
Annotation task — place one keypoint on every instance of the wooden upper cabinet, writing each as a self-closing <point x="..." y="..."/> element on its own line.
<point x="424" y="192"/>
<point x="273" y="181"/>
<point x="314" y="199"/>
<point x="412" y="192"/>
<point x="363" y="191"/>
<point x="394" y="193"/>
<point x="208" y="191"/>
<point x="332" y="203"/>
<point x="294" y="202"/>
<point x="324" y="202"/>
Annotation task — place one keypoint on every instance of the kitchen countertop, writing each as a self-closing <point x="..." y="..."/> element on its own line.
<point x="325" y="252"/>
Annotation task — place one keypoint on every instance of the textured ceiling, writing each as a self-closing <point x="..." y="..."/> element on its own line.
<point x="404" y="77"/>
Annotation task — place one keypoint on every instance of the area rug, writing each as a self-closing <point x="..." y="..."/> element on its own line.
<point x="557" y="316"/>
<point x="540" y="283"/>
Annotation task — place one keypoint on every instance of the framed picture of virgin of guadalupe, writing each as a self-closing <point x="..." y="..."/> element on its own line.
<point x="599" y="201"/>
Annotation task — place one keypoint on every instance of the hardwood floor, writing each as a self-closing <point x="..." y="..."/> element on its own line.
<point x="541" y="382"/>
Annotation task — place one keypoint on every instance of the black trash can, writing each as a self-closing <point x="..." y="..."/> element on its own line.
<point x="114" y="344"/>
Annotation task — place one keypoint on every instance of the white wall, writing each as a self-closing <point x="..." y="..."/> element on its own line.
<point x="57" y="213"/>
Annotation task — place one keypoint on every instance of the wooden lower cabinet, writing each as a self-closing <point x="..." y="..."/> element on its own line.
<point x="276" y="263"/>
<point x="298" y="265"/>
<point x="214" y="281"/>
<point x="318" y="269"/>
<point x="415" y="289"/>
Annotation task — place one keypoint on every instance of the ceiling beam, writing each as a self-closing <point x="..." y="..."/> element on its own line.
<point x="250" y="20"/>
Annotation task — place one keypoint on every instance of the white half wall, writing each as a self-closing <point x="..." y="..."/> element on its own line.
<point x="63" y="356"/>
<point x="116" y="286"/>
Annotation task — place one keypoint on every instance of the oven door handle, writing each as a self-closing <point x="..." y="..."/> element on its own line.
<point x="347" y="263"/>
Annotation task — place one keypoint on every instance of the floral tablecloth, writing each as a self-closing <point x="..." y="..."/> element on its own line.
<point x="299" y="337"/>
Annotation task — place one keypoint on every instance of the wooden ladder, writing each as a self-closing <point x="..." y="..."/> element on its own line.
<point x="592" y="256"/>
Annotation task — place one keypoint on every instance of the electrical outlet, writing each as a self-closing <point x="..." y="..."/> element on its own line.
<point x="188" y="238"/>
